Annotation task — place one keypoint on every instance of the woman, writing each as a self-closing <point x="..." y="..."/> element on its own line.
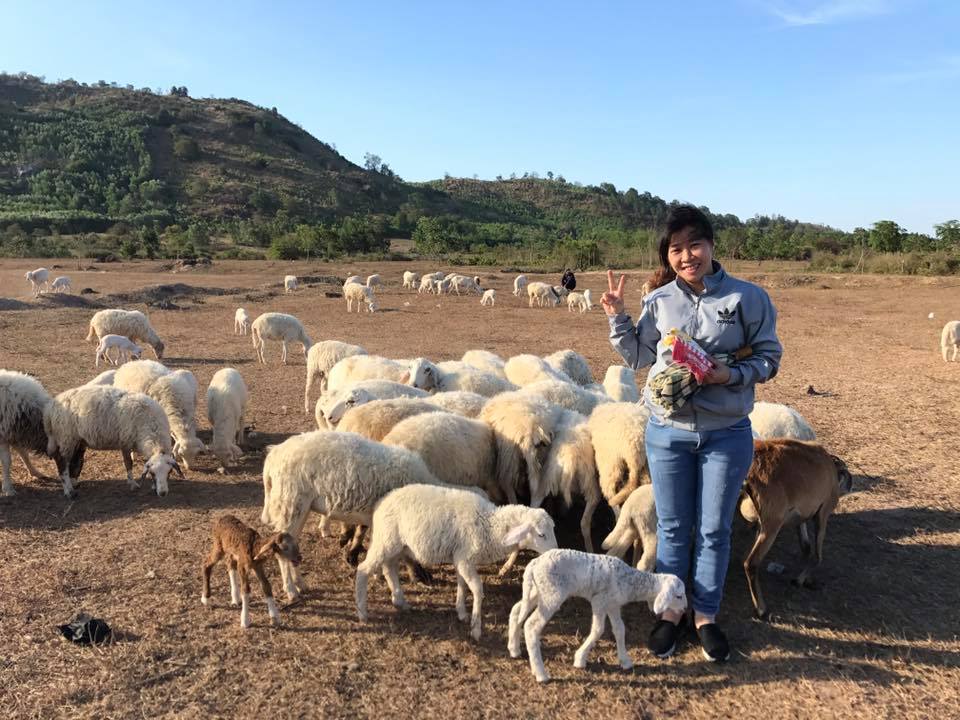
<point x="698" y="455"/>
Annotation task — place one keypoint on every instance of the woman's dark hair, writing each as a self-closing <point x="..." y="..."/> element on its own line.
<point x="680" y="217"/>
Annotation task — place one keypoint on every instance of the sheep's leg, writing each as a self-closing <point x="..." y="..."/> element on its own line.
<point x="306" y="392"/>
<point x="323" y="527"/>
<point x="267" y="594"/>
<point x="508" y="565"/>
<point x="356" y="545"/>
<point x="128" y="465"/>
<point x="293" y="583"/>
<point x="751" y="566"/>
<point x="597" y="627"/>
<point x="234" y="582"/>
<point x="469" y="573"/>
<point x="369" y="565"/>
<point x="6" y="460"/>
<point x="518" y="614"/>
<point x="462" y="613"/>
<point x="283" y="356"/>
<point x="391" y="573"/>
<point x="29" y="464"/>
<point x="532" y="631"/>
<point x="586" y="523"/>
<point x="648" y="559"/>
<point x="619" y="633"/>
<point x="216" y="554"/>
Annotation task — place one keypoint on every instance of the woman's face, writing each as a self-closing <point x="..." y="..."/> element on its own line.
<point x="691" y="258"/>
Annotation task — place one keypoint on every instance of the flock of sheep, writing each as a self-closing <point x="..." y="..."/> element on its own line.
<point x="443" y="462"/>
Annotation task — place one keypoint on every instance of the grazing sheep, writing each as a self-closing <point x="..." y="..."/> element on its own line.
<point x="572" y="364"/>
<point x="466" y="284"/>
<point x="132" y="324"/>
<point x="125" y="350"/>
<point x="427" y="376"/>
<point x="359" y="294"/>
<point x="773" y="420"/>
<point x="526" y="369"/>
<point x="950" y="338"/>
<point x="459" y="402"/>
<point x="489" y="297"/>
<point x="637" y="528"/>
<point x="241" y="322"/>
<point x="410" y="279"/>
<point x="374" y="280"/>
<point x="618" y="431"/>
<point x="485" y="360"/>
<point x="543" y="293"/>
<point x="226" y="403"/>
<point x="436" y="525"/>
<point x="791" y="482"/>
<point x="38" y="280"/>
<point x="289" y="283"/>
<point x="61" y="284"/>
<point x="353" y="279"/>
<point x="100" y="417"/>
<point x="246" y="551"/>
<point x="22" y="404"/>
<point x="442" y="287"/>
<point x="365" y="367"/>
<point x="375" y="419"/>
<point x="578" y="301"/>
<point x="331" y="407"/>
<point x="426" y="284"/>
<point x="620" y="383"/>
<point x="278" y="326"/>
<point x="564" y="394"/>
<point x="340" y="475"/>
<point x="607" y="583"/>
<point x="519" y="285"/>
<point x="320" y="361"/>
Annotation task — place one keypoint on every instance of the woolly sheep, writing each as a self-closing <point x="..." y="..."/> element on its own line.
<point x="465" y="284"/>
<point x="22" y="404"/>
<point x="124" y="347"/>
<point x="241" y="322"/>
<point x="950" y="338"/>
<point x="410" y="280"/>
<point x="353" y="279"/>
<point x="359" y="295"/>
<point x="543" y="293"/>
<point x="340" y="475"/>
<point x="773" y="420"/>
<point x="176" y="391"/>
<point x="365" y="367"/>
<point x="38" y="280"/>
<point x="607" y="583"/>
<point x="578" y="301"/>
<point x="448" y="525"/>
<point x="227" y="398"/>
<point x="560" y="291"/>
<point x="572" y="364"/>
<point x="618" y="430"/>
<point x="375" y="419"/>
<point x="289" y="283"/>
<point x="426" y="284"/>
<point x="637" y="528"/>
<point x="427" y="376"/>
<point x="320" y="360"/>
<point x="278" y="326"/>
<point x="519" y="284"/>
<point x="620" y="384"/>
<point x="331" y="407"/>
<point x="442" y="287"/>
<point x="485" y="360"/>
<point x="132" y="324"/>
<point x="526" y="369"/>
<point x="104" y="378"/>
<point x="564" y="394"/>
<point x="61" y="284"/>
<point x="107" y="418"/>
<point x="489" y="297"/>
<point x="459" y="402"/>
<point x="374" y="280"/>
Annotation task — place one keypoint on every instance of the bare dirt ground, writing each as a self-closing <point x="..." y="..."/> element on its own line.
<point x="878" y="640"/>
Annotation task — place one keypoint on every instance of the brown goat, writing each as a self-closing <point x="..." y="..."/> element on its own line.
<point x="790" y="483"/>
<point x="246" y="551"/>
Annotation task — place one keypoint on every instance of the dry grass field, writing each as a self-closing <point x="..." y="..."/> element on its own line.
<point x="878" y="639"/>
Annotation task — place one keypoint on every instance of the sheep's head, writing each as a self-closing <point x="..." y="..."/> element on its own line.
<point x="423" y="374"/>
<point x="372" y="305"/>
<point x="186" y="451"/>
<point x="158" y="468"/>
<point x="136" y="352"/>
<point x="671" y="596"/>
<point x="334" y="409"/>
<point x="844" y="478"/>
<point x="283" y="545"/>
<point x="534" y="533"/>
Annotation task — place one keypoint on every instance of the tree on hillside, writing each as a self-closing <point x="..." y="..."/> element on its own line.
<point x="886" y="236"/>
<point x="179" y="91"/>
<point x="372" y="162"/>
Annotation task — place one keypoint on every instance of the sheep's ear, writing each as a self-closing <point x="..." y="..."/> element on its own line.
<point x="406" y="378"/>
<point x="517" y="534"/>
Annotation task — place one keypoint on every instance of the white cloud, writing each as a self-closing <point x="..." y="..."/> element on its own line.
<point x="824" y="13"/>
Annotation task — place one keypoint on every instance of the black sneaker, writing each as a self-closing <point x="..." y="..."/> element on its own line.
<point x="664" y="637"/>
<point x="713" y="643"/>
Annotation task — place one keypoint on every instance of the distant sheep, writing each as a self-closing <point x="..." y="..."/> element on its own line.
<point x="23" y="401"/>
<point x="519" y="285"/>
<point x="359" y="295"/>
<point x="132" y="324"/>
<point x="38" y="280"/>
<point x="278" y="326"/>
<point x="489" y="297"/>
<point x="241" y="322"/>
<point x="61" y="284"/>
<point x="227" y="399"/>
<point x="950" y="338"/>
<point x="410" y="280"/>
<point x="320" y="361"/>
<point x="620" y="384"/>
<point x="543" y="294"/>
<point x="374" y="280"/>
<point x="125" y="350"/>
<point x="426" y="284"/>
<point x="576" y="301"/>
<point x="289" y="283"/>
<point x="353" y="279"/>
<point x="572" y="364"/>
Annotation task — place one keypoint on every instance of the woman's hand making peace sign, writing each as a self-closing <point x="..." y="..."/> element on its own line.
<point x="612" y="300"/>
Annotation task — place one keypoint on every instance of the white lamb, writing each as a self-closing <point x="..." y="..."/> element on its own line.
<point x="519" y="285"/>
<point x="226" y="403"/>
<point x="618" y="431"/>
<point x="358" y="367"/>
<point x="437" y="525"/>
<point x="38" y="280"/>
<point x="359" y="295"/>
<point x="289" y="283"/>
<point x="61" y="284"/>
<point x="410" y="280"/>
<point x="331" y="407"/>
<point x="442" y="287"/>
<point x="132" y="324"/>
<point x="107" y="418"/>
<point x="125" y="350"/>
<point x="526" y="369"/>
<point x="374" y="280"/>
<point x="773" y="420"/>
<point x="278" y="326"/>
<point x="637" y="528"/>
<point x="572" y="364"/>
<point x="620" y="384"/>
<point x="576" y="301"/>
<point x="22" y="404"/>
<point x="241" y="322"/>
<point x="543" y="293"/>
<point x="426" y="284"/>
<point x="489" y="297"/>
<point x="566" y="395"/>
<point x="320" y="361"/>
<point x="950" y="338"/>
<point x="427" y="376"/>
<point x="485" y="360"/>
<point x="607" y="583"/>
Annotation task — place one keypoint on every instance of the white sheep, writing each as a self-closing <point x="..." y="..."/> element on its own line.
<point x="637" y="528"/>
<point x="526" y="369"/>
<point x="241" y="322"/>
<point x="176" y="391"/>
<point x="101" y="417"/>
<point x="566" y="395"/>
<point x="572" y="364"/>
<point x="354" y="368"/>
<point x="227" y="398"/>
<point x="331" y="407"/>
<point x="38" y="279"/>
<point x="340" y="475"/>
<point x="773" y="420"/>
<point x="489" y="297"/>
<point x="620" y="383"/>
<point x="132" y="324"/>
<point x="104" y="378"/>
<point x="459" y="402"/>
<point x="607" y="583"/>
<point x="577" y="301"/>
<point x="950" y="338"/>
<point x="543" y="293"/>
<point x="618" y="430"/>
<point x="22" y="404"/>
<point x="375" y="419"/>
<point x="320" y="361"/>
<point x="485" y="360"/>
<point x="289" y="283"/>
<point x="437" y="525"/>
<point x="519" y="284"/>
<point x="426" y="284"/>
<point x="125" y="349"/>
<point x="410" y="279"/>
<point x="353" y="279"/>
<point x="442" y="287"/>
<point x="60" y="284"/>
<point x="427" y="376"/>
<point x="278" y="326"/>
<point x="373" y="280"/>
<point x="359" y="295"/>
<point x="462" y="283"/>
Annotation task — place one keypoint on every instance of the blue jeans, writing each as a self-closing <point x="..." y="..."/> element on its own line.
<point x="696" y="482"/>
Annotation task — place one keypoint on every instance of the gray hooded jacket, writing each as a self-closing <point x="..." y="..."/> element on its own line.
<point x="729" y="315"/>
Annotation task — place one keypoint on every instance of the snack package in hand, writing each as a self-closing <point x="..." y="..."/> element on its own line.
<point x="688" y="353"/>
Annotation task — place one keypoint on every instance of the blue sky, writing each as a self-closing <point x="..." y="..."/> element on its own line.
<point x="836" y="111"/>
